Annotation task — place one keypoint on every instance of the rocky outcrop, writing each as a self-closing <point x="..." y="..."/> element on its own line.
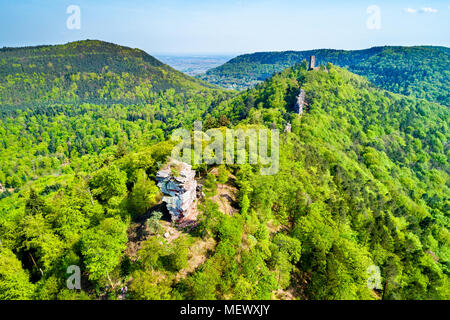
<point x="2" y="189"/>
<point x="176" y="181"/>
<point x="288" y="127"/>
<point x="301" y="102"/>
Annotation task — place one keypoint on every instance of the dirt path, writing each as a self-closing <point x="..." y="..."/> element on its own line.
<point x="198" y="254"/>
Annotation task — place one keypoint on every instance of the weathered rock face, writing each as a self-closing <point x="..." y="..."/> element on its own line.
<point x="177" y="182"/>
<point x="2" y="189"/>
<point x="301" y="103"/>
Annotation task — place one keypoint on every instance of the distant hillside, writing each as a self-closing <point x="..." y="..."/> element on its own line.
<point x="422" y="72"/>
<point x="362" y="185"/>
<point x="85" y="70"/>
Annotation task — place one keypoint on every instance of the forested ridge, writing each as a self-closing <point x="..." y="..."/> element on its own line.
<point x="363" y="182"/>
<point x="421" y="71"/>
<point x="86" y="71"/>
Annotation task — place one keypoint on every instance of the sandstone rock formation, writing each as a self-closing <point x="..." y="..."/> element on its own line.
<point x="301" y="102"/>
<point x="176" y="181"/>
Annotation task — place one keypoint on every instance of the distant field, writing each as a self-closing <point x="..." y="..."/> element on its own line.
<point x="194" y="64"/>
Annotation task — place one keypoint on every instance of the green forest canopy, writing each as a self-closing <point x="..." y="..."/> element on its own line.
<point x="363" y="181"/>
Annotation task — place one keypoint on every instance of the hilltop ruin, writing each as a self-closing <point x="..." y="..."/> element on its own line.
<point x="176" y="181"/>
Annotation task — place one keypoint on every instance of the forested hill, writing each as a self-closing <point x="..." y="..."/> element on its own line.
<point x="85" y="71"/>
<point x="362" y="184"/>
<point x="421" y="71"/>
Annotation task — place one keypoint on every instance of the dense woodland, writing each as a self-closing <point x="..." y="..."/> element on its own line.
<point x="421" y="72"/>
<point x="85" y="71"/>
<point x="363" y="181"/>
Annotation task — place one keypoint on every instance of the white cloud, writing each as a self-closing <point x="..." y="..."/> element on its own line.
<point x="428" y="10"/>
<point x="410" y="10"/>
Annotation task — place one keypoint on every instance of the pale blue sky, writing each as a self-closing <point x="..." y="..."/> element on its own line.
<point x="234" y="26"/>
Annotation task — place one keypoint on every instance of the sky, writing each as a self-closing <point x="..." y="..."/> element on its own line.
<point x="226" y="26"/>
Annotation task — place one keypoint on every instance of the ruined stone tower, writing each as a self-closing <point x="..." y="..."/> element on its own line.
<point x="312" y="63"/>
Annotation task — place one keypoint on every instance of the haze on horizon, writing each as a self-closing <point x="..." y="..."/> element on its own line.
<point x="228" y="27"/>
